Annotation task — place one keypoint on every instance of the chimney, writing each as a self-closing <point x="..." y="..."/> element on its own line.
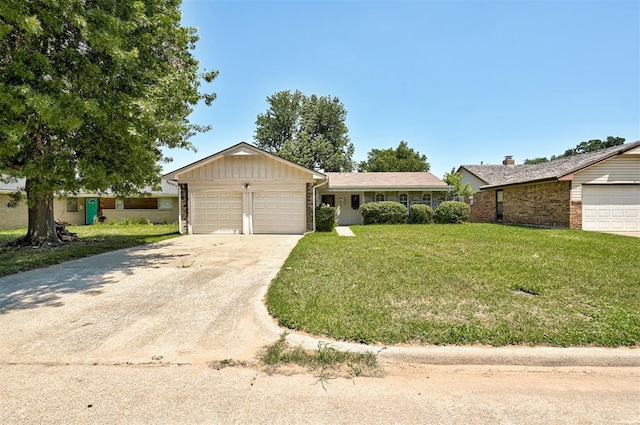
<point x="508" y="160"/>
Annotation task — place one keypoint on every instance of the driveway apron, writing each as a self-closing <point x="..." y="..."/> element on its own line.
<point x="186" y="300"/>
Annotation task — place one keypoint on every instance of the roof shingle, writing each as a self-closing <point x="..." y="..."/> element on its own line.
<point x="384" y="180"/>
<point x="504" y="175"/>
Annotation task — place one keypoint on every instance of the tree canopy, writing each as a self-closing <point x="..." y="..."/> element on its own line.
<point x="459" y="190"/>
<point x="90" y="93"/>
<point x="401" y="159"/>
<point x="582" y="147"/>
<point x="308" y="130"/>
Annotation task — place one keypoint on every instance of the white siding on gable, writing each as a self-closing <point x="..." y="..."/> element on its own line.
<point x="621" y="169"/>
<point x="635" y="151"/>
<point x="474" y="181"/>
<point x="246" y="167"/>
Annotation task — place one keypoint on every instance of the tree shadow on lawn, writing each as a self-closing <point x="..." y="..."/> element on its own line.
<point x="46" y="287"/>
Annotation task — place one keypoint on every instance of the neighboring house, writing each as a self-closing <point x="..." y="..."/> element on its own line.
<point x="84" y="208"/>
<point x="348" y="191"/>
<point x="597" y="191"/>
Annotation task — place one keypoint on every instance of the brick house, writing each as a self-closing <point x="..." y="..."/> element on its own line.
<point x="597" y="191"/>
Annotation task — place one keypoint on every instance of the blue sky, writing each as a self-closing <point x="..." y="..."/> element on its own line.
<point x="460" y="81"/>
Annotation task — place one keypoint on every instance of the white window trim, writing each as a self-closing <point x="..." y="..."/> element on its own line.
<point x="165" y="204"/>
<point x="375" y="198"/>
<point x="119" y="204"/>
<point x="406" y="203"/>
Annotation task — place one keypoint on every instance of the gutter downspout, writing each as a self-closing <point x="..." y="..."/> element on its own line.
<point x="313" y="189"/>
<point x="171" y="183"/>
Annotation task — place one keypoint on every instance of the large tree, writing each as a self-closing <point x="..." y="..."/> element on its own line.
<point x="308" y="130"/>
<point x="90" y="93"/>
<point x="402" y="159"/>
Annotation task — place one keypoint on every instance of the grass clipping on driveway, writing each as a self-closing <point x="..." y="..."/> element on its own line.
<point x="463" y="284"/>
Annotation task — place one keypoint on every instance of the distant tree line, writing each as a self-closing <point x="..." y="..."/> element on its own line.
<point x="582" y="147"/>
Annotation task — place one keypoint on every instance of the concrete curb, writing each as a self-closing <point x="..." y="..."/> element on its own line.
<point x="498" y="356"/>
<point x="462" y="355"/>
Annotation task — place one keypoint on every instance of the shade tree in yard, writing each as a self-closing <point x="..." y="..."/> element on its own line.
<point x="90" y="94"/>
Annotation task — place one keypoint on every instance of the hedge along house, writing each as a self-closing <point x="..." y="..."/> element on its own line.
<point x="348" y="191"/>
<point x="160" y="206"/>
<point x="245" y="190"/>
<point x="597" y="191"/>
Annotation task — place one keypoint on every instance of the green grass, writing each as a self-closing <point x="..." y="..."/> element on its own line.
<point x="93" y="240"/>
<point x="463" y="284"/>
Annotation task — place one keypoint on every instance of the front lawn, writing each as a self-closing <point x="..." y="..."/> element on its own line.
<point x="94" y="240"/>
<point x="463" y="284"/>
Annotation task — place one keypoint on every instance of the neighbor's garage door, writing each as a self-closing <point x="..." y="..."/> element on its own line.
<point x="279" y="212"/>
<point x="217" y="211"/>
<point x="611" y="208"/>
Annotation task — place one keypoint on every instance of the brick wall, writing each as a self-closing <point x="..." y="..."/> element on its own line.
<point x="483" y="209"/>
<point x="575" y="215"/>
<point x="543" y="204"/>
<point x="309" y="207"/>
<point x="184" y="208"/>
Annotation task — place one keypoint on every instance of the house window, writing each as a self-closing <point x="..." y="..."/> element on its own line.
<point x="379" y="197"/>
<point x="72" y="204"/>
<point x="404" y="199"/>
<point x="141" y="203"/>
<point x="119" y="204"/>
<point x="499" y="204"/>
<point x="165" y="203"/>
<point x="426" y="199"/>
<point x="355" y="202"/>
<point x="329" y="200"/>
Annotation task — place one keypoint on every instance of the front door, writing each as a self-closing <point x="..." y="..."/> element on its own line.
<point x="91" y="209"/>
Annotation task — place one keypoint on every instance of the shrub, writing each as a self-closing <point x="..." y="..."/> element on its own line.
<point x="326" y="218"/>
<point x="420" y="214"/>
<point x="452" y="212"/>
<point x="385" y="212"/>
<point x="131" y="221"/>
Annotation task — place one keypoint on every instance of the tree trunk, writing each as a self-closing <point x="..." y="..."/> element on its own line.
<point x="42" y="229"/>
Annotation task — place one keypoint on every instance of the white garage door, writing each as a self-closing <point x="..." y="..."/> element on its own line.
<point x="217" y="211"/>
<point x="611" y="208"/>
<point x="279" y="212"/>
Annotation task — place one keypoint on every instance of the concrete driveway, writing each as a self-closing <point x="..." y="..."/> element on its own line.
<point x="185" y="300"/>
<point x="124" y="337"/>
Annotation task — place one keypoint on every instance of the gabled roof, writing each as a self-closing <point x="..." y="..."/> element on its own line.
<point x="244" y="149"/>
<point x="491" y="174"/>
<point x="563" y="168"/>
<point x="385" y="181"/>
